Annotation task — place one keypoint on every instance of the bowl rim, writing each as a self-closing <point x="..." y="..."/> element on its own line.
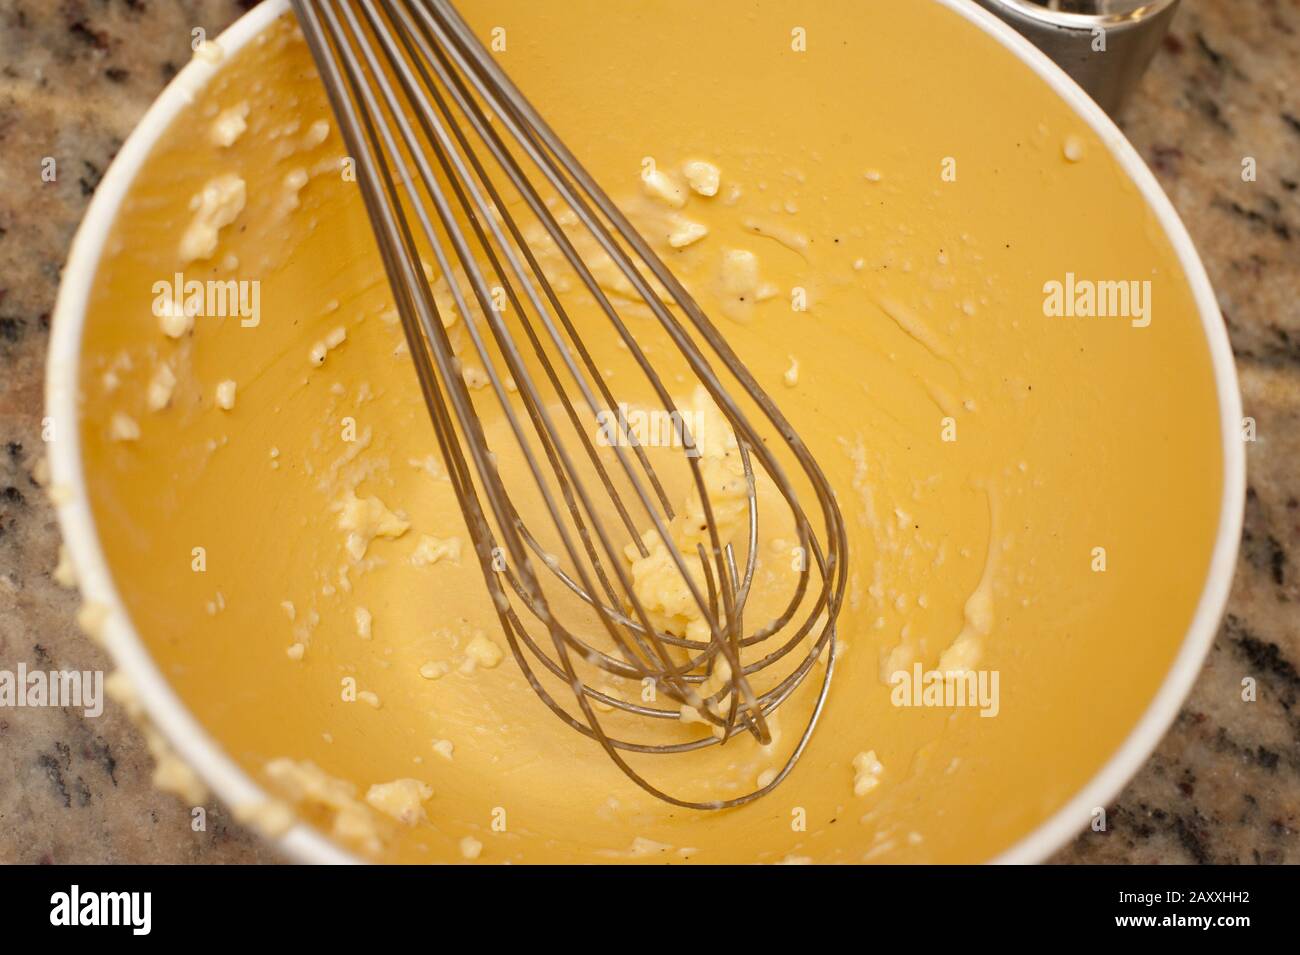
<point x="1045" y="16"/>
<point x="303" y="842"/>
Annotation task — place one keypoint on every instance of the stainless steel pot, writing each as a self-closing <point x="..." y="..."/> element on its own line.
<point x="1105" y="45"/>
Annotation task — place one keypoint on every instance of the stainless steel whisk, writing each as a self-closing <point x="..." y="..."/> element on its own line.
<point x="444" y="144"/>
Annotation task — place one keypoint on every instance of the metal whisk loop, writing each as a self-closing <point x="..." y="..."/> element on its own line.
<point x="445" y="146"/>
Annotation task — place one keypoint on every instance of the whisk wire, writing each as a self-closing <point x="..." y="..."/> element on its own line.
<point x="441" y="144"/>
<point x="403" y="59"/>
<point x="530" y="590"/>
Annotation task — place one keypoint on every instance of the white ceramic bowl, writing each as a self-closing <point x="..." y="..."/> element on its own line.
<point x="305" y="843"/>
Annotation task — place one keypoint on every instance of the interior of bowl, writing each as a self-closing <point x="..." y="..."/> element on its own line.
<point x="971" y="313"/>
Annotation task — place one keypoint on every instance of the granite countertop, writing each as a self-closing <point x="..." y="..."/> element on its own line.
<point x="1223" y="786"/>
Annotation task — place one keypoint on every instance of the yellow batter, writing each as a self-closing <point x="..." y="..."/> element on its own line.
<point x="872" y="199"/>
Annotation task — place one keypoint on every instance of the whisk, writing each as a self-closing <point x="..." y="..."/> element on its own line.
<point x="445" y="146"/>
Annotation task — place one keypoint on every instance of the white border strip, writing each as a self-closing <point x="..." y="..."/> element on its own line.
<point x="305" y="843"/>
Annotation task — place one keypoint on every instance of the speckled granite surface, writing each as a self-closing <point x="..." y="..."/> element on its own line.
<point x="1224" y="786"/>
